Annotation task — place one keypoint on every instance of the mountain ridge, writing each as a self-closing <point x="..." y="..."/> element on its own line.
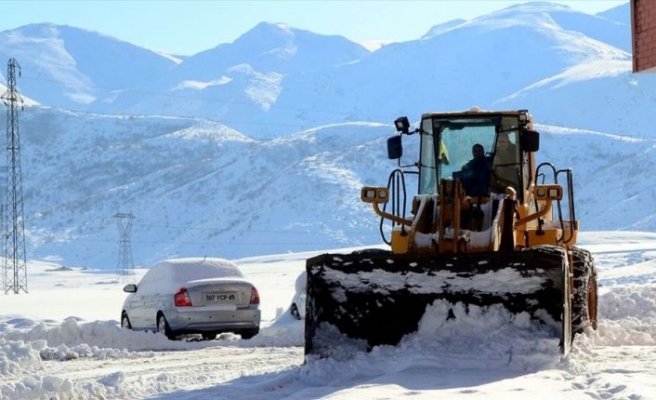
<point x="266" y="153"/>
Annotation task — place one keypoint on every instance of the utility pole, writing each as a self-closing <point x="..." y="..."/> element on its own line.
<point x="15" y="265"/>
<point x="125" y="263"/>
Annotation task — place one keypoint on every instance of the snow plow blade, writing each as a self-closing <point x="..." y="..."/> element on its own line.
<point x="362" y="300"/>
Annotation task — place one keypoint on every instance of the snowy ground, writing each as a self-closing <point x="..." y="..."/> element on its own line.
<point x="62" y="341"/>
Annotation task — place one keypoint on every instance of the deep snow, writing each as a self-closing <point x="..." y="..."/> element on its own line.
<point x="62" y="341"/>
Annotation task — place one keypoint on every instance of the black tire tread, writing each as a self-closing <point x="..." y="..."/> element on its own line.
<point x="584" y="309"/>
<point x="249" y="333"/>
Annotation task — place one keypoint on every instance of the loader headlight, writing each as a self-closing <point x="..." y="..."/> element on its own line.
<point x="554" y="193"/>
<point x="402" y="124"/>
<point x="548" y="192"/>
<point x="374" y="194"/>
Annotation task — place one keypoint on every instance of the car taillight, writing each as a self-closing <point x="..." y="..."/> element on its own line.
<point x="181" y="299"/>
<point x="255" y="296"/>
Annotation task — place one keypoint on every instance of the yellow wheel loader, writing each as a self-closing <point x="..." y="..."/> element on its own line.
<point x="486" y="227"/>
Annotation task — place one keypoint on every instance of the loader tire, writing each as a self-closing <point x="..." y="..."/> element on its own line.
<point x="563" y="298"/>
<point x="584" y="302"/>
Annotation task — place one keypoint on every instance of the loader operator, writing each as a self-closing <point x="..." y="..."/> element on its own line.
<point x="475" y="175"/>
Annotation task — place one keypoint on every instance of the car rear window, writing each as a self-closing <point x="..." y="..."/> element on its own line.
<point x="190" y="270"/>
<point x="170" y="274"/>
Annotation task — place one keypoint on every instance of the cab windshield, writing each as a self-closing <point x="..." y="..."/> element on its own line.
<point x="497" y="135"/>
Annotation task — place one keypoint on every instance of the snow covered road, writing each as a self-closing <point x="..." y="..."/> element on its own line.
<point x="74" y="349"/>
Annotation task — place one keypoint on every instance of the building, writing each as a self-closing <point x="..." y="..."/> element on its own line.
<point x="643" y="35"/>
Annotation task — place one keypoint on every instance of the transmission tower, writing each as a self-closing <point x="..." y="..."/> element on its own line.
<point x="125" y="263"/>
<point x="15" y="265"/>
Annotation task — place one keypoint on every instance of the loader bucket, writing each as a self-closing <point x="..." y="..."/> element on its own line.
<point x="362" y="300"/>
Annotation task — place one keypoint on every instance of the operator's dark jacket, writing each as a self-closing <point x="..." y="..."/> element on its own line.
<point x="475" y="176"/>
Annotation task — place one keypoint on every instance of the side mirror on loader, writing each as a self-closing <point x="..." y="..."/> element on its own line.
<point x="530" y="141"/>
<point x="394" y="147"/>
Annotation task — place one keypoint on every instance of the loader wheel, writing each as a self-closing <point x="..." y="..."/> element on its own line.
<point x="584" y="302"/>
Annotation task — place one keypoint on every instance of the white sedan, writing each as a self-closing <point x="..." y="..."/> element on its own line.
<point x="204" y="296"/>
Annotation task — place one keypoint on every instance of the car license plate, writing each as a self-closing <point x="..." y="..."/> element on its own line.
<point x="221" y="297"/>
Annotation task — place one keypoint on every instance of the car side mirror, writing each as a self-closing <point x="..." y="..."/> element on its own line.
<point x="394" y="147"/>
<point x="131" y="288"/>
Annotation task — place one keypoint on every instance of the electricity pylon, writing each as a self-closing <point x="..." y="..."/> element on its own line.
<point x="15" y="265"/>
<point x="125" y="263"/>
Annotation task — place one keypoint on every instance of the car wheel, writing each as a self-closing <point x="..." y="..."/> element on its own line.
<point x="294" y="311"/>
<point x="125" y="321"/>
<point x="249" y="333"/>
<point x="163" y="327"/>
<point x="209" y="336"/>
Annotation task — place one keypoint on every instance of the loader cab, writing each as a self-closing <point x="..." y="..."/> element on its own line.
<point x="446" y="149"/>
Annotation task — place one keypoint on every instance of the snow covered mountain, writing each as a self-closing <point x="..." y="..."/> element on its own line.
<point x="73" y="68"/>
<point x="194" y="186"/>
<point x="275" y="80"/>
<point x="261" y="146"/>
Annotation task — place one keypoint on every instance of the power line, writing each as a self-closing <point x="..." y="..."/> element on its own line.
<point x="15" y="265"/>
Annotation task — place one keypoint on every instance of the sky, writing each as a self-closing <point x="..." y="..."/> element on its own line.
<point x="62" y="340"/>
<point x="188" y="27"/>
